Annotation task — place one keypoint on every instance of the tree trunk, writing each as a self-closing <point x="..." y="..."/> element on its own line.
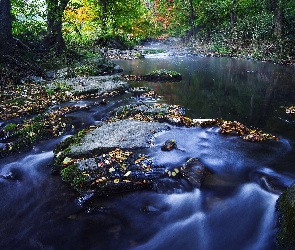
<point x="192" y="18"/>
<point x="278" y="20"/>
<point x="54" y="38"/>
<point x="5" y="25"/>
<point x="233" y="14"/>
<point x="104" y="14"/>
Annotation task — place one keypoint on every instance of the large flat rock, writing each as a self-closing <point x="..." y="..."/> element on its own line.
<point x="101" y="84"/>
<point x="125" y="134"/>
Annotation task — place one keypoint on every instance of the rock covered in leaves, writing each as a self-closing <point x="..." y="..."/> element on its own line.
<point x="111" y="172"/>
<point x="21" y="137"/>
<point x="248" y="134"/>
<point x="144" y="93"/>
<point x="104" y="159"/>
<point x="236" y="128"/>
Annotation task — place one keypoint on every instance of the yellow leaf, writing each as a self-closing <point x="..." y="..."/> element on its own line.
<point x="128" y="173"/>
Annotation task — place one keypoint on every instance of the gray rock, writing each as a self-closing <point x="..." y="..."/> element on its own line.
<point x="88" y="164"/>
<point x="122" y="134"/>
<point x="98" y="84"/>
<point x="64" y="73"/>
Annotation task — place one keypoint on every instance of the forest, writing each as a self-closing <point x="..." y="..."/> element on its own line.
<point x="259" y="29"/>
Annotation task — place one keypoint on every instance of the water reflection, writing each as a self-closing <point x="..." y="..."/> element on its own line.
<point x="234" y="89"/>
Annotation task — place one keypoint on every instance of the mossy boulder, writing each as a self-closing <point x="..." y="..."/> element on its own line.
<point x="286" y="219"/>
<point x="108" y="159"/>
<point x="94" y="67"/>
<point x="163" y="75"/>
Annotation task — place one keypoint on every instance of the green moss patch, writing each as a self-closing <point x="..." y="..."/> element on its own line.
<point x="163" y="75"/>
<point x="286" y="208"/>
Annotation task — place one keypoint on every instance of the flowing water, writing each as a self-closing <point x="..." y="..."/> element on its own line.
<point x="234" y="208"/>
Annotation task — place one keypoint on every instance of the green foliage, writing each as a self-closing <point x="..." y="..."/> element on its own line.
<point x="88" y="21"/>
<point x="28" y="19"/>
<point x="252" y="27"/>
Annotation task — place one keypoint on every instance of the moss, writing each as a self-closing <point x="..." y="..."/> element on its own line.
<point x="72" y="175"/>
<point x="62" y="87"/>
<point x="154" y="51"/>
<point x="10" y="127"/>
<point x="286" y="220"/>
<point x="94" y="67"/>
<point x="74" y="139"/>
<point x="162" y="75"/>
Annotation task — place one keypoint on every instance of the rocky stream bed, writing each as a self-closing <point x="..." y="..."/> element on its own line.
<point x="111" y="157"/>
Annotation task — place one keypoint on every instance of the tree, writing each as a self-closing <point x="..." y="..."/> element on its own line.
<point x="116" y="23"/>
<point x="278" y="19"/>
<point x="192" y="17"/>
<point x="54" y="38"/>
<point x="5" y="25"/>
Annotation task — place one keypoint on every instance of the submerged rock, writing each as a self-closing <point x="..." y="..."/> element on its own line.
<point x="169" y="145"/>
<point x="269" y="181"/>
<point x="8" y="175"/>
<point x="194" y="171"/>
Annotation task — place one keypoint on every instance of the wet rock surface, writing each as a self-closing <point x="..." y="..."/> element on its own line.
<point x="8" y="175"/>
<point x="112" y="172"/>
<point x="194" y="171"/>
<point x="169" y="145"/>
<point x="286" y="219"/>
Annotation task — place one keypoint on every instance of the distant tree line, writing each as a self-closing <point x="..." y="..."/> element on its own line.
<point x="227" y="26"/>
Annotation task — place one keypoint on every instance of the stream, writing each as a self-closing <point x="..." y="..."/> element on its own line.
<point x="234" y="208"/>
